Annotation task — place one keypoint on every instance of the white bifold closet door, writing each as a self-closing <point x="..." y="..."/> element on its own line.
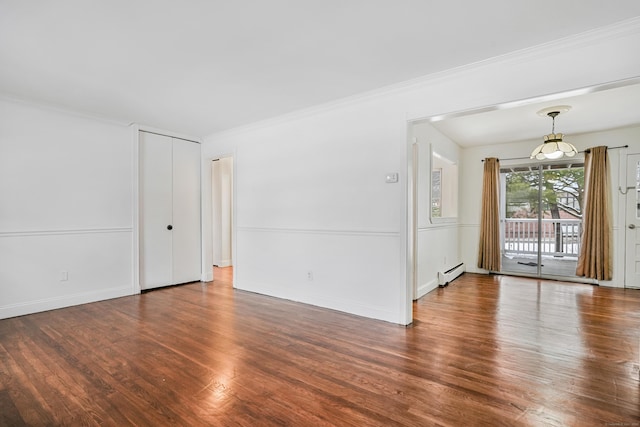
<point x="169" y="211"/>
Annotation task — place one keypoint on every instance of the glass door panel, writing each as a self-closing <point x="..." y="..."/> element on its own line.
<point x="561" y="223"/>
<point x="542" y="219"/>
<point x="520" y="220"/>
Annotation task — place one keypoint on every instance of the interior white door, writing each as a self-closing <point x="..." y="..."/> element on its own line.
<point x="186" y="211"/>
<point x="632" y="253"/>
<point x="156" y="251"/>
<point x="169" y="211"/>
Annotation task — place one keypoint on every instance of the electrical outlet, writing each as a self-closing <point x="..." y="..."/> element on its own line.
<point x="64" y="276"/>
<point x="309" y="275"/>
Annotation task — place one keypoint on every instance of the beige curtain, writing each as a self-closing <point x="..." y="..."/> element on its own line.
<point x="489" y="248"/>
<point x="595" y="255"/>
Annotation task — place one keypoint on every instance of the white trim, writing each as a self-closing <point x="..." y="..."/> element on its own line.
<point x="29" y="233"/>
<point x="135" y="214"/>
<point x="207" y="213"/>
<point x="61" y="110"/>
<point x="413" y="150"/>
<point x="439" y="226"/>
<point x="53" y="303"/>
<point x="151" y="129"/>
<point x="425" y="288"/>
<point x="469" y="225"/>
<point x="206" y="268"/>
<point x="234" y="216"/>
<point x="343" y="305"/>
<point x="405" y="302"/>
<point x="203" y="275"/>
<point x="374" y="233"/>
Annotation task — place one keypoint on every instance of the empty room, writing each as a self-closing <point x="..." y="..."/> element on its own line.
<point x="320" y="213"/>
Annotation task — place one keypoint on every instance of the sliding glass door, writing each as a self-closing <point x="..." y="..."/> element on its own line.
<point x="541" y="217"/>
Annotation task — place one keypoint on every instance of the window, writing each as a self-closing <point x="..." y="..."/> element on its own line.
<point x="444" y="189"/>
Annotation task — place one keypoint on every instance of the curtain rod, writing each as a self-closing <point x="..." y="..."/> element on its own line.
<point x="588" y="150"/>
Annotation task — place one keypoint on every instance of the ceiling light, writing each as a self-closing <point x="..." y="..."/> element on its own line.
<point x="553" y="146"/>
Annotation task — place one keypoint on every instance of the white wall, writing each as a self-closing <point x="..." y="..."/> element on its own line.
<point x="310" y="191"/>
<point x="66" y="191"/>
<point x="304" y="207"/>
<point x="472" y="177"/>
<point x="437" y="243"/>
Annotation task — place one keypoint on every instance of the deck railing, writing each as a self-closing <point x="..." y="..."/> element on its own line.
<point x="557" y="237"/>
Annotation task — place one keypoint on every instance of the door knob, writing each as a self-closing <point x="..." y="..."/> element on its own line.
<point x="632" y="226"/>
<point x="169" y="227"/>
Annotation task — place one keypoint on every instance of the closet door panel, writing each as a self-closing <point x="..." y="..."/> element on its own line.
<point x="155" y="210"/>
<point x="186" y="211"/>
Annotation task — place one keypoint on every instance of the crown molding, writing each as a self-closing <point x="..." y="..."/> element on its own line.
<point x="159" y="131"/>
<point x="62" y="110"/>
<point x="587" y="38"/>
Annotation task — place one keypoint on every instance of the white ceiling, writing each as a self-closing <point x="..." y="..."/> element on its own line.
<point x="593" y="109"/>
<point x="202" y="66"/>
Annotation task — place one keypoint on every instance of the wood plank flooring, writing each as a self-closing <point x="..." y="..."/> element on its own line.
<point x="485" y="351"/>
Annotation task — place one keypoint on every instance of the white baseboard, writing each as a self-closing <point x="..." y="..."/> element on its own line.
<point x="345" y="306"/>
<point x="425" y="288"/>
<point x="31" y="307"/>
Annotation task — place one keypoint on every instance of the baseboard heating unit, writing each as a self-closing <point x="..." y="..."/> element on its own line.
<point x="446" y="277"/>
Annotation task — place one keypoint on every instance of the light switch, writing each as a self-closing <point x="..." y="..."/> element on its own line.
<point x="392" y="178"/>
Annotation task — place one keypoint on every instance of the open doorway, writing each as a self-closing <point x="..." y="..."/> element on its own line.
<point x="223" y="276"/>
<point x="541" y="217"/>
<point x="222" y="211"/>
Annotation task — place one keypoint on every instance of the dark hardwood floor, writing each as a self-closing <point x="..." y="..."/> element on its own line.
<point x="485" y="351"/>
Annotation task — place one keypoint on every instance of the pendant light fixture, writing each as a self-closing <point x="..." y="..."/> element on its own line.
<point x="553" y="146"/>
